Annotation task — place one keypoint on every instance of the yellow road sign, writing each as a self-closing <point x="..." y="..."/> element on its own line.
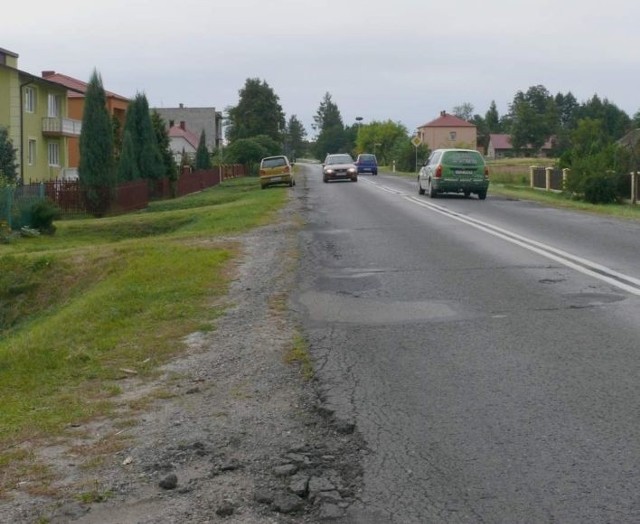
<point x="416" y="141"/>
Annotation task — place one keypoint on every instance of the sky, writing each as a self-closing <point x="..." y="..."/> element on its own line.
<point x="400" y="60"/>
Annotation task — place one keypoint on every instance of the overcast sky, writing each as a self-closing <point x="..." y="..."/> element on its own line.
<point x="404" y="60"/>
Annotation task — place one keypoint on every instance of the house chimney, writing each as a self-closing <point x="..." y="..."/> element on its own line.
<point x="181" y="105"/>
<point x="443" y="113"/>
<point x="45" y="74"/>
<point x="182" y="125"/>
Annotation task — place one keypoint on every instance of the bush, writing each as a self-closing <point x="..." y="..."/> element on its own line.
<point x="43" y="213"/>
<point x="600" y="189"/>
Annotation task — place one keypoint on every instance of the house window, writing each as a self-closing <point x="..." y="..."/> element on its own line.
<point x="30" y="100"/>
<point x="54" y="106"/>
<point x="31" y="152"/>
<point x="452" y="135"/>
<point x="54" y="154"/>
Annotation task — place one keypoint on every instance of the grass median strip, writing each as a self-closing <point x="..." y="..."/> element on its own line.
<point x="109" y="298"/>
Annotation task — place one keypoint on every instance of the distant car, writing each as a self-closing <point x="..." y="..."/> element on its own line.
<point x="276" y="170"/>
<point x="454" y="171"/>
<point x="367" y="163"/>
<point x="339" y="167"/>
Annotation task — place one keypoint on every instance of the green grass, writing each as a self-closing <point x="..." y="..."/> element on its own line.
<point x="106" y="295"/>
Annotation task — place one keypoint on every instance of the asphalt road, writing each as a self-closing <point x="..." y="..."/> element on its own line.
<point x="487" y="351"/>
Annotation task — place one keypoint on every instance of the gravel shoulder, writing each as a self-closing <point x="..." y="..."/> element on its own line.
<point x="230" y="432"/>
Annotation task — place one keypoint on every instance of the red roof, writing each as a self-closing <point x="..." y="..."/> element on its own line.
<point x="182" y="132"/>
<point x="499" y="141"/>
<point x="447" y="120"/>
<point x="74" y="83"/>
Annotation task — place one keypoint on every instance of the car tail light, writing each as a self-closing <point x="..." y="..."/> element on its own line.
<point x="286" y="169"/>
<point x="262" y="172"/>
<point x="439" y="171"/>
<point x="486" y="172"/>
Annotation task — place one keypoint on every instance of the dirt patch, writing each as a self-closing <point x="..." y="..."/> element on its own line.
<point x="232" y="430"/>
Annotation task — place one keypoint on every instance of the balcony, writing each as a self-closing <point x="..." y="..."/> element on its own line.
<point x="56" y="126"/>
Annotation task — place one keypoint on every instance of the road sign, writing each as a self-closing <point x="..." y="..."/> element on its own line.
<point x="416" y="141"/>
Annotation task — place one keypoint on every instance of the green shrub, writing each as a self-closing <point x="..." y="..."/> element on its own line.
<point x="600" y="189"/>
<point x="43" y="213"/>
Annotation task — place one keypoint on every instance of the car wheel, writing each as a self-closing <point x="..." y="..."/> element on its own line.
<point x="420" y="190"/>
<point x="432" y="191"/>
<point x="263" y="187"/>
<point x="467" y="194"/>
<point x="354" y="179"/>
<point x="482" y="195"/>
<point x="325" y="180"/>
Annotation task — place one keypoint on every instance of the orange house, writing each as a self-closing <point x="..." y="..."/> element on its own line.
<point x="116" y="106"/>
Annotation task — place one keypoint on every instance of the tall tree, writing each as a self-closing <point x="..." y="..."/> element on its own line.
<point x="464" y="111"/>
<point x="534" y="118"/>
<point x="116" y="126"/>
<point x="381" y="138"/>
<point x="567" y="107"/>
<point x="145" y="146"/>
<point x="328" y="115"/>
<point x="615" y="121"/>
<point x="203" y="159"/>
<point x="492" y="119"/>
<point x="164" y="145"/>
<point x="127" y="165"/>
<point x="8" y="163"/>
<point x="482" y="130"/>
<point x="96" y="167"/>
<point x="258" y="113"/>
<point x="295" y="137"/>
<point x="331" y="132"/>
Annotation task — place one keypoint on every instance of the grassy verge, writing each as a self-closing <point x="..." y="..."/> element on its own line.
<point x="106" y="299"/>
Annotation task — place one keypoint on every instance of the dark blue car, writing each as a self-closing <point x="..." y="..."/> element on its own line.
<point x="367" y="163"/>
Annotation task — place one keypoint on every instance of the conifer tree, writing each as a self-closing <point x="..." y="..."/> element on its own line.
<point x="8" y="165"/>
<point x="127" y="166"/>
<point x="203" y="159"/>
<point x="145" y="147"/>
<point x="96" y="169"/>
<point x="162" y="139"/>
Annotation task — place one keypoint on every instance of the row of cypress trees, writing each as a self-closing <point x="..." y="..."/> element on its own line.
<point x="144" y="153"/>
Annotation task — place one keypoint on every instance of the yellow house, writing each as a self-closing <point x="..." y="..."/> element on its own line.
<point x="34" y="111"/>
<point x="448" y="131"/>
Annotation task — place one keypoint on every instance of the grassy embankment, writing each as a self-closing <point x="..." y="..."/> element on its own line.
<point x="105" y="299"/>
<point x="510" y="177"/>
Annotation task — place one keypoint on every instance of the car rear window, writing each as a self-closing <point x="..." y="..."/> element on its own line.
<point x="367" y="158"/>
<point x="339" y="159"/>
<point x="464" y="158"/>
<point x="274" y="162"/>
